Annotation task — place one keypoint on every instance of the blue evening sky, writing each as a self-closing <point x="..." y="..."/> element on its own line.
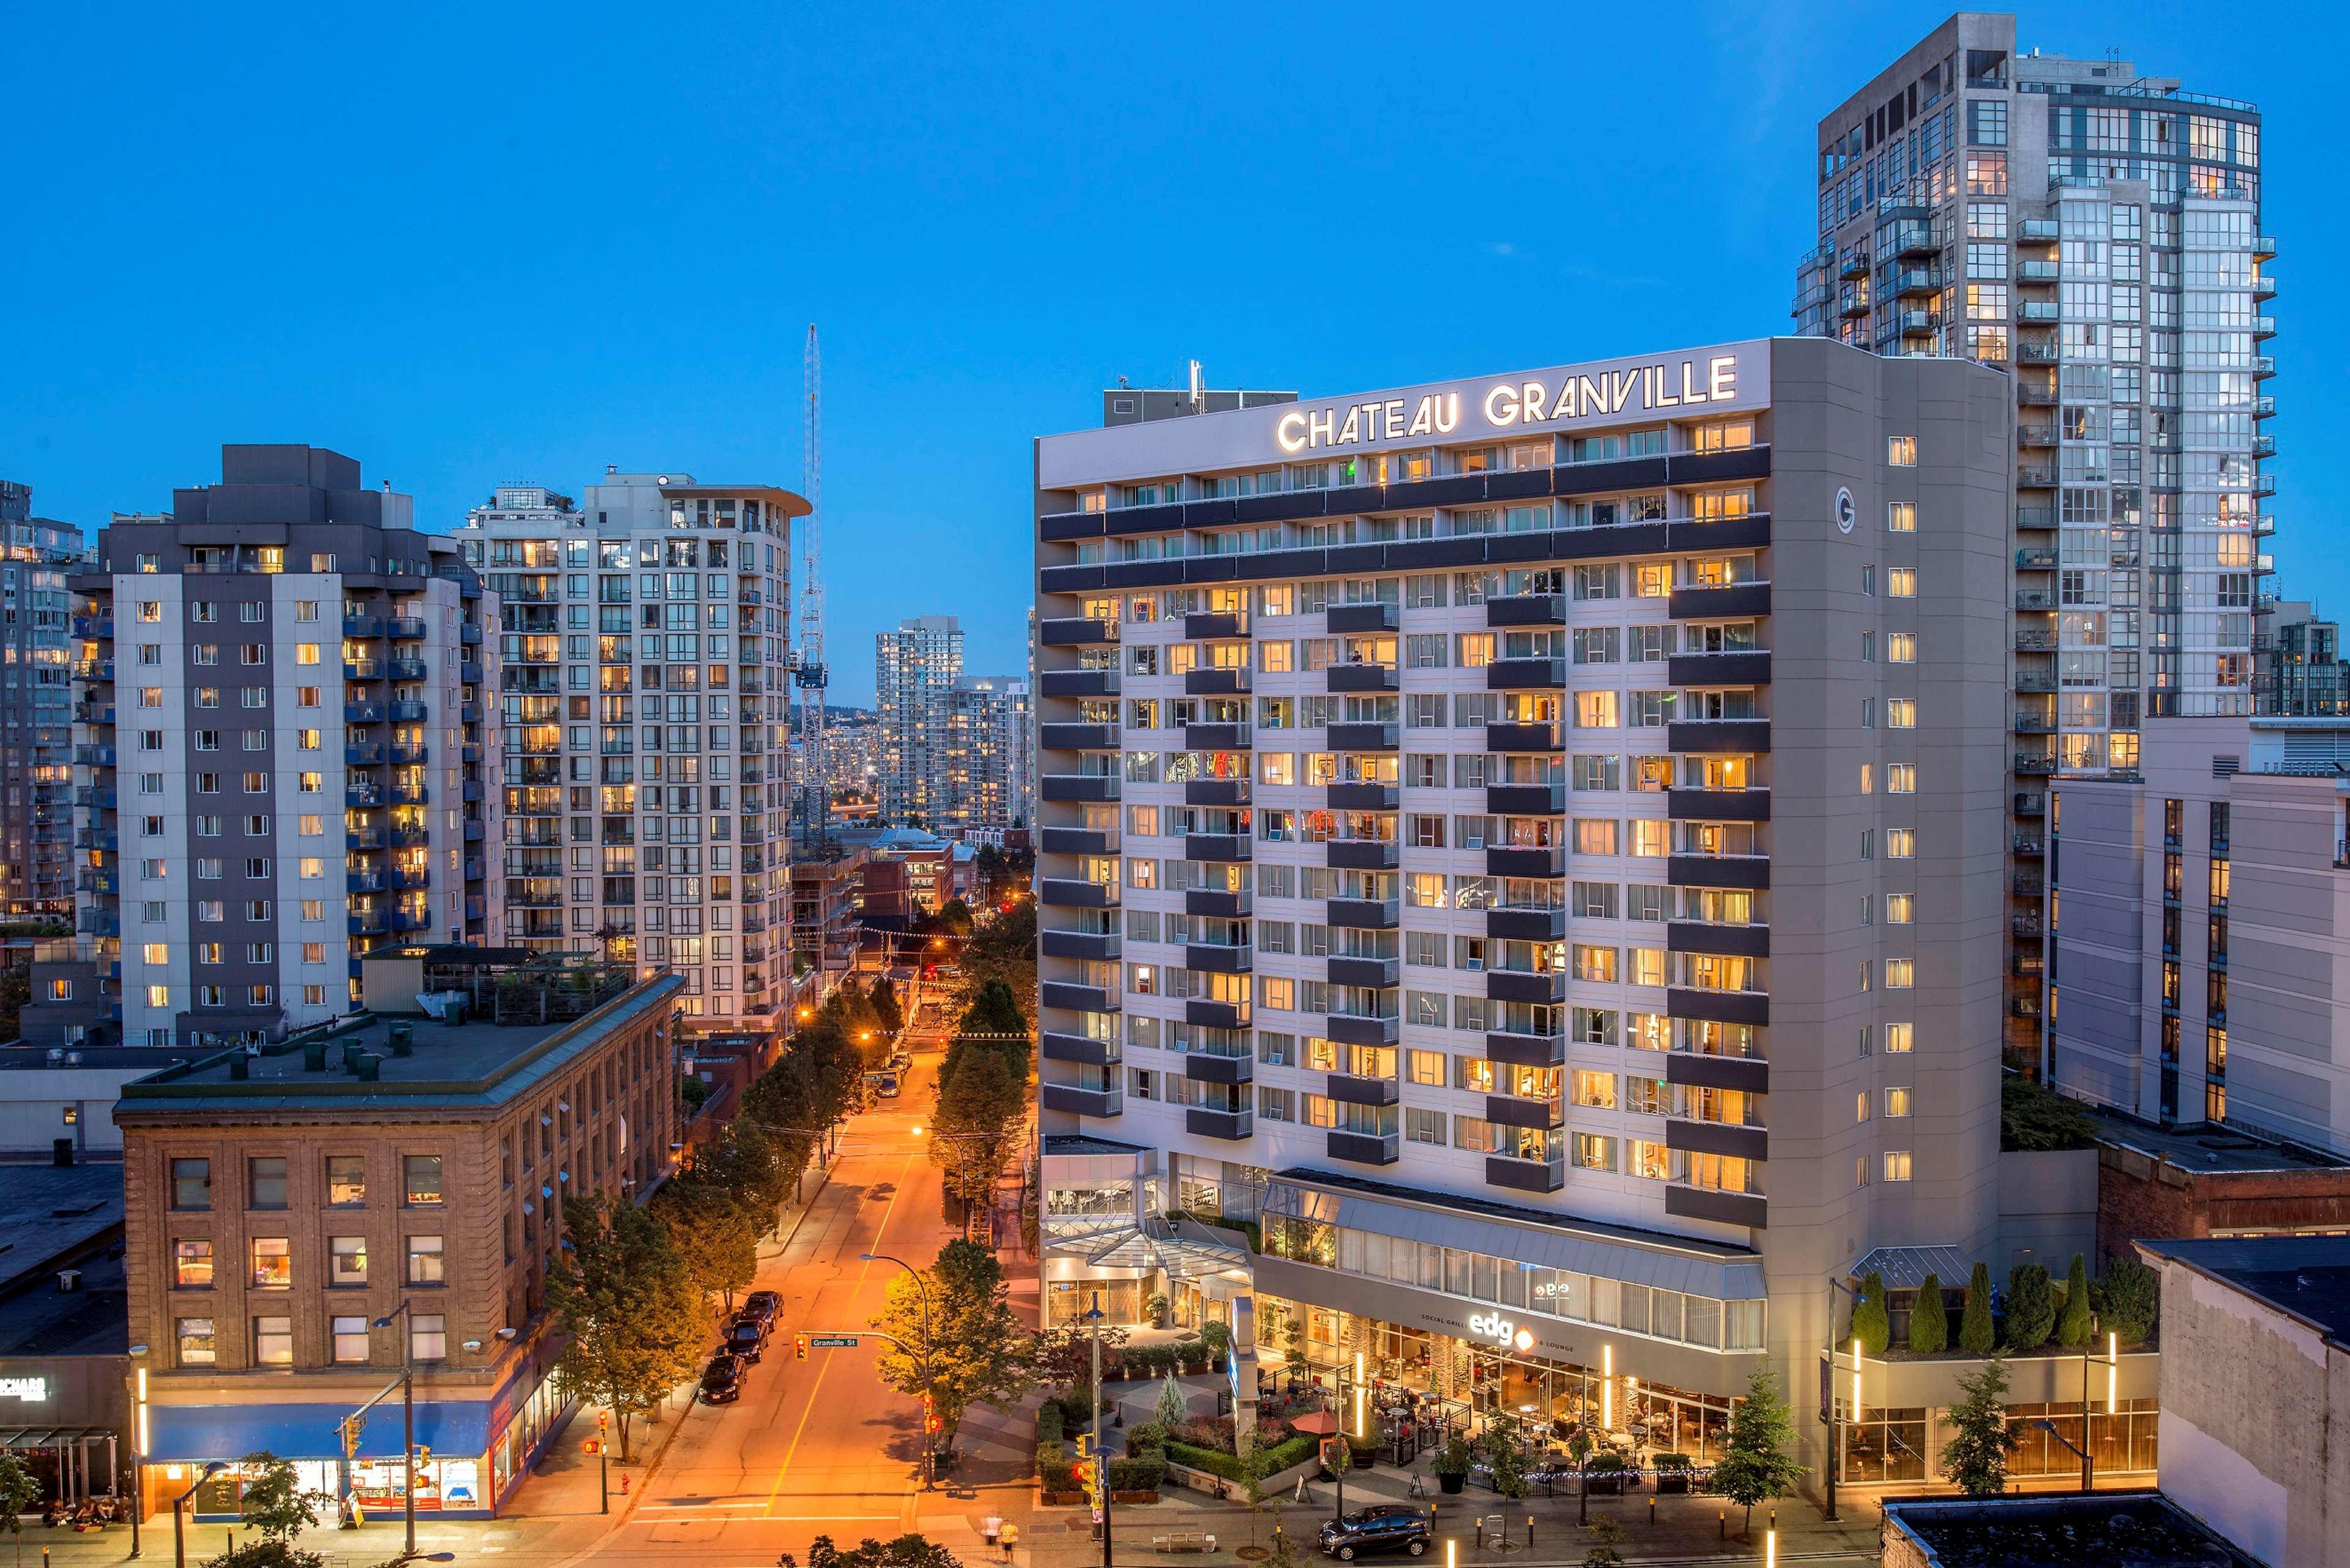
<point x="497" y="242"/>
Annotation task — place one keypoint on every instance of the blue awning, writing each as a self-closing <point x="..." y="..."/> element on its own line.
<point x="191" y="1434"/>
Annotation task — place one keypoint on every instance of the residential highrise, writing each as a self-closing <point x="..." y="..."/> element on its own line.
<point x="2097" y="231"/>
<point x="989" y="761"/>
<point x="646" y="629"/>
<point x="2298" y="663"/>
<point x="280" y="748"/>
<point x="1547" y="868"/>
<point x="914" y="668"/>
<point x="35" y="709"/>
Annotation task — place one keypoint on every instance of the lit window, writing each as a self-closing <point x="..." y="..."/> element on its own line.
<point x="272" y="1341"/>
<point x="192" y="1265"/>
<point x="1901" y="516"/>
<point x="1896" y="1101"/>
<point x="1900" y="974"/>
<point x="1902" y="451"/>
<point x="306" y="653"/>
<point x="1897" y="1165"/>
<point x="196" y="1336"/>
<point x="1896" y="1038"/>
<point x="350" y="1336"/>
<point x="272" y="1263"/>
<point x="159" y="996"/>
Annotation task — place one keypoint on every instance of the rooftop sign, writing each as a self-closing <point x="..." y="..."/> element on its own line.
<point x="1665" y="384"/>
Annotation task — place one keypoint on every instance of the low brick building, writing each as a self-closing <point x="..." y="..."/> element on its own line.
<point x="2207" y="1180"/>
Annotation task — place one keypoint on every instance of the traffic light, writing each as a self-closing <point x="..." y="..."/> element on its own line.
<point x="1084" y="1469"/>
<point x="930" y="1416"/>
<point x="423" y="1456"/>
<point x="799" y="1347"/>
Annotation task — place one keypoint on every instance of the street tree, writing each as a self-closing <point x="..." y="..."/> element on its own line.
<point x="18" y="1492"/>
<point x="885" y="1011"/>
<point x="624" y="1296"/>
<point x="1756" y="1464"/>
<point x="1976" y="1455"/>
<point x="980" y="1105"/>
<point x="1975" y="1335"/>
<point x="1062" y="1357"/>
<point x="973" y="1349"/>
<point x="715" y="1229"/>
<point x="905" y="1551"/>
<point x="274" y="1504"/>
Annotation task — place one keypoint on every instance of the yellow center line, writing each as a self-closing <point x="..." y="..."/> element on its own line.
<point x="898" y="1187"/>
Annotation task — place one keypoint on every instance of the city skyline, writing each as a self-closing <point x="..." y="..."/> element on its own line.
<point x="539" y="363"/>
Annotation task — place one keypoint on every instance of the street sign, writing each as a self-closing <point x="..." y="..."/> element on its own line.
<point x="833" y="1341"/>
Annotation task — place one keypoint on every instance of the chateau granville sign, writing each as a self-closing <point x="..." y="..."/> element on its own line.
<point x="1508" y="405"/>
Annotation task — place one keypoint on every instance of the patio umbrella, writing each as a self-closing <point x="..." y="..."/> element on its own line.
<point x="1320" y="1423"/>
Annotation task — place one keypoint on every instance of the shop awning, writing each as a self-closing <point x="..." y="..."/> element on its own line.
<point x="51" y="1436"/>
<point x="1906" y="1268"/>
<point x="1130" y="1247"/>
<point x="190" y="1434"/>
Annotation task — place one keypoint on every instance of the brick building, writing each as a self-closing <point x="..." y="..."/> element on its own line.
<point x="2207" y="1180"/>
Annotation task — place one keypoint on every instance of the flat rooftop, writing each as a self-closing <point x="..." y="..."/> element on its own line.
<point x="2209" y="1146"/>
<point x="2307" y="1277"/>
<point x="474" y="1063"/>
<point x="53" y="1218"/>
<point x="2109" y="1529"/>
<point x="103" y="1058"/>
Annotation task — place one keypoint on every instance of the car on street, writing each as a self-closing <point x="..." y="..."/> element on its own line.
<point x="764" y="1305"/>
<point x="721" y="1381"/>
<point x="747" y="1337"/>
<point x="1384" y="1527"/>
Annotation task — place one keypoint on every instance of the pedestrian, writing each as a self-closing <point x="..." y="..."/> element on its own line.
<point x="991" y="1530"/>
<point x="1011" y="1539"/>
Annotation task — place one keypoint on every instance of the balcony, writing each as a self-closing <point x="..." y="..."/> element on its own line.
<point x="2035" y="767"/>
<point x="1363" y="914"/>
<point x="1204" y="1121"/>
<point x="1229" y="1068"/>
<point x="1378" y="617"/>
<point x="1213" y="738"/>
<point x="2035" y="476"/>
<point x="410" y="628"/>
<point x="1527" y="609"/>
<point x="407" y="713"/>
<point x="1359" y="678"/>
<point x="1717" y="1137"/>
<point x="1080" y="787"/>
<point x="1752" y="669"/>
<point x="2029" y="884"/>
<point x="1350" y="1089"/>
<point x="1360" y="797"/>
<point x="366" y="923"/>
<point x="1720" y="1006"/>
<point x="1078" y="1048"/>
<point x="1719" y="737"/>
<point x="1215" y="792"/>
<point x="1078" y="631"/>
<point x="1082" y="1102"/>
<point x="1056" y="737"/>
<point x="1079" y="840"/>
<point x="1362" y="737"/>
<point x="1524" y="1175"/>
<point x="1078" y="998"/>
<point x="2035" y="517"/>
<point x="1709" y="937"/>
<point x="2029" y="641"/>
<point x="1517" y="1111"/>
<point x="410" y="794"/>
<point x="1685" y="1201"/>
<point x="1217" y="958"/>
<point x="1510" y="736"/>
<point x="93" y="757"/>
<point x="1364" y="1149"/>
<point x="1525" y="799"/>
<point x="1218" y="903"/>
<point x="1077" y="684"/>
<point x="410" y="838"/>
<point x="1069" y="893"/>
<point x="1718" y="805"/>
<point x="469" y="634"/>
<point x="1205" y="1012"/>
<point x="1537" y="986"/>
<point x="1527" y="925"/>
<point x="1527" y="1050"/>
<point x="1379" y="974"/>
<point x="363" y="882"/>
<point x="411" y="753"/>
<point x="2035" y="435"/>
<point x="1726" y="601"/>
<point x="1752" y="872"/>
<point x="1362" y="853"/>
<point x="1543" y="862"/>
<point x="419" y="877"/>
<point x="1914" y="239"/>
<point x="1527" y="675"/>
<point x="363" y="754"/>
<point x="362" y="713"/>
<point x="1215" y="626"/>
<point x="1216" y="680"/>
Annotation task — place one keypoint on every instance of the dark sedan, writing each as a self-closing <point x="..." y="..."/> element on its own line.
<point x="747" y="1337"/>
<point x="1386" y="1527"/>
<point x="764" y="1305"/>
<point x="721" y="1382"/>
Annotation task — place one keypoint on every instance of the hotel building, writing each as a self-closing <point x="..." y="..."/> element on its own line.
<point x="2097" y="231"/>
<point x="279" y="748"/>
<point x="647" y="643"/>
<point x="35" y="713"/>
<point x="1536" y="844"/>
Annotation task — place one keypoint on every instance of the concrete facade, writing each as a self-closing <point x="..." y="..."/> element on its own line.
<point x="35" y="709"/>
<point x="915" y="668"/>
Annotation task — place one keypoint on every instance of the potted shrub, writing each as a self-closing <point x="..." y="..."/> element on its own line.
<point x="1452" y="1464"/>
<point x="1365" y="1452"/>
<point x="1155" y="1308"/>
<point x="1607" y="1470"/>
<point x="1673" y="1471"/>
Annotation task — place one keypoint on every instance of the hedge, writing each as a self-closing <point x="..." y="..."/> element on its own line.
<point x="1054" y="1472"/>
<point x="1296" y="1451"/>
<point x="1049" y="1426"/>
<point x="1137" y="1475"/>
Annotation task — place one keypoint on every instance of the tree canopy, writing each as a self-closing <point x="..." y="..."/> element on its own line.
<point x="1756" y="1464"/>
<point x="624" y="1294"/>
<point x="978" y="1352"/>
<point x="905" y="1551"/>
<point x="1976" y="1455"/>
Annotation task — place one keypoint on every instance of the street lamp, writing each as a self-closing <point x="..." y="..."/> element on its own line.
<point x="139" y="1445"/>
<point x="407" y="1422"/>
<point x="930" y="1381"/>
<point x="179" y="1513"/>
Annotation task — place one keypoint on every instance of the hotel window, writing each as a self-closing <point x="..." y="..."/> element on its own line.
<point x="1426" y="1067"/>
<point x="1899" y="909"/>
<point x="1897" y="1165"/>
<point x="1900" y="713"/>
<point x="1643" y="1158"/>
<point x="1900" y="843"/>
<point x="1900" y="778"/>
<point x="265" y="1182"/>
<point x="1593" y="1152"/>
<point x="1862" y="1106"/>
<point x="1900" y="582"/>
<point x="346" y="1260"/>
<point x="426" y="1261"/>
<point x="1899" y="973"/>
<point x="346" y="1173"/>
<point x="1595" y="1090"/>
<point x="1902" y="451"/>
<point x="1900" y="648"/>
<point x="1896" y="1101"/>
<point x="422" y="1178"/>
<point x="1900" y="517"/>
<point x="192" y="1265"/>
<point x="428" y="1337"/>
<point x="349" y="1335"/>
<point x="272" y="1263"/>
<point x="1897" y="1038"/>
<point x="196" y="1336"/>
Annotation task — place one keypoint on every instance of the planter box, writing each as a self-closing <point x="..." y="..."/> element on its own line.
<point x="1123" y="1498"/>
<point x="1670" y="1481"/>
<point x="1060" y="1499"/>
<point x="1451" y="1485"/>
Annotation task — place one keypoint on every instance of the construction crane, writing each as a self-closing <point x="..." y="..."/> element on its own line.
<point x="816" y="793"/>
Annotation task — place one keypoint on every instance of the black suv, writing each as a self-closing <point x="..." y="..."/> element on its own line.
<point x="747" y="1337"/>
<point x="764" y="1305"/>
<point x="723" y="1383"/>
<point x="1388" y="1527"/>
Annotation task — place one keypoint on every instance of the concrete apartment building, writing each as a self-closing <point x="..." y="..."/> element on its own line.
<point x="989" y="756"/>
<point x="2298" y="666"/>
<point x="1537" y="844"/>
<point x="2097" y="231"/>
<point x="914" y="668"/>
<point x="647" y="636"/>
<point x="279" y="1207"/>
<point x="280" y="753"/>
<point x="35" y="709"/>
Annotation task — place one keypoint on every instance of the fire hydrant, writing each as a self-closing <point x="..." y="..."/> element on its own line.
<point x="624" y="1484"/>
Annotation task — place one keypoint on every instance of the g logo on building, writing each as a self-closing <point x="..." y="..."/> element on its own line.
<point x="1846" y="514"/>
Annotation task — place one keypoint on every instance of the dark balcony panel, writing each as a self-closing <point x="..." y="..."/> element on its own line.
<point x="1085" y="579"/>
<point x="1204" y="1014"/>
<point x="1752" y="872"/>
<point x="1698" y="937"/>
<point x="1615" y="473"/>
<point x="1350" y="1090"/>
<point x="1363" y="853"/>
<point x="1100" y="946"/>
<point x="1216" y="958"/>
<point x="1059" y="1047"/>
<point x="1079" y="840"/>
<point x="1527" y="675"/>
<point x="1371" y="971"/>
<point x="1733" y="601"/>
<point x="1526" y="925"/>
<point x="1359" y="678"/>
<point x="1341" y="499"/>
<point x="1419" y="555"/>
<point x="1719" y="669"/>
<point x="1076" y="631"/>
<point x="1159" y="519"/>
<point x="1081" y="1101"/>
<point x="1749" y="1074"/>
<point x="1078" y="737"/>
<point x="1721" y="467"/>
<point x="1721" y="533"/>
<point x="1220" y="902"/>
<point x="1215" y="513"/>
<point x="1203" y="1121"/>
<point x="1718" y="805"/>
<point x="1599" y="544"/>
<point x="1524" y="1175"/>
<point x="1364" y="1149"/>
<point x="1055" y="527"/>
<point x="1214" y="626"/>
<point x="1516" y="860"/>
<point x="1451" y="490"/>
<point x="1078" y="998"/>
<point x="1351" y="1030"/>
<point x="1216" y="737"/>
<point x="1527" y="609"/>
<point x="1223" y="847"/>
<point x="1354" y="558"/>
<point x="1215" y="792"/>
<point x="1361" y="914"/>
<point x="1361" y="617"/>
<point x="1525" y="985"/>
<point x="1361" y="797"/>
<point x="1525" y="800"/>
<point x="1718" y="1006"/>
<point x="1527" y="1050"/>
<point x="1516" y="1111"/>
<point x="1362" y="737"/>
<point x="1080" y="787"/>
<point x="1517" y="737"/>
<point x="1202" y="1068"/>
<point x="1685" y="1202"/>
<point x="1717" y="1137"/>
<point x="1516" y="483"/>
<point x="1278" y="508"/>
<point x="1719" y="736"/>
<point x="1076" y="682"/>
<point x="1074" y="895"/>
<point x="1213" y="680"/>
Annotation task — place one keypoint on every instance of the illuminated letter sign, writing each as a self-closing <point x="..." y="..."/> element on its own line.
<point x="1505" y="405"/>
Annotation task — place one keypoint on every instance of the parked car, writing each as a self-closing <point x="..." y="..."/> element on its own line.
<point x="764" y="1305"/>
<point x="747" y="1337"/>
<point x="721" y="1381"/>
<point x="1384" y="1527"/>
